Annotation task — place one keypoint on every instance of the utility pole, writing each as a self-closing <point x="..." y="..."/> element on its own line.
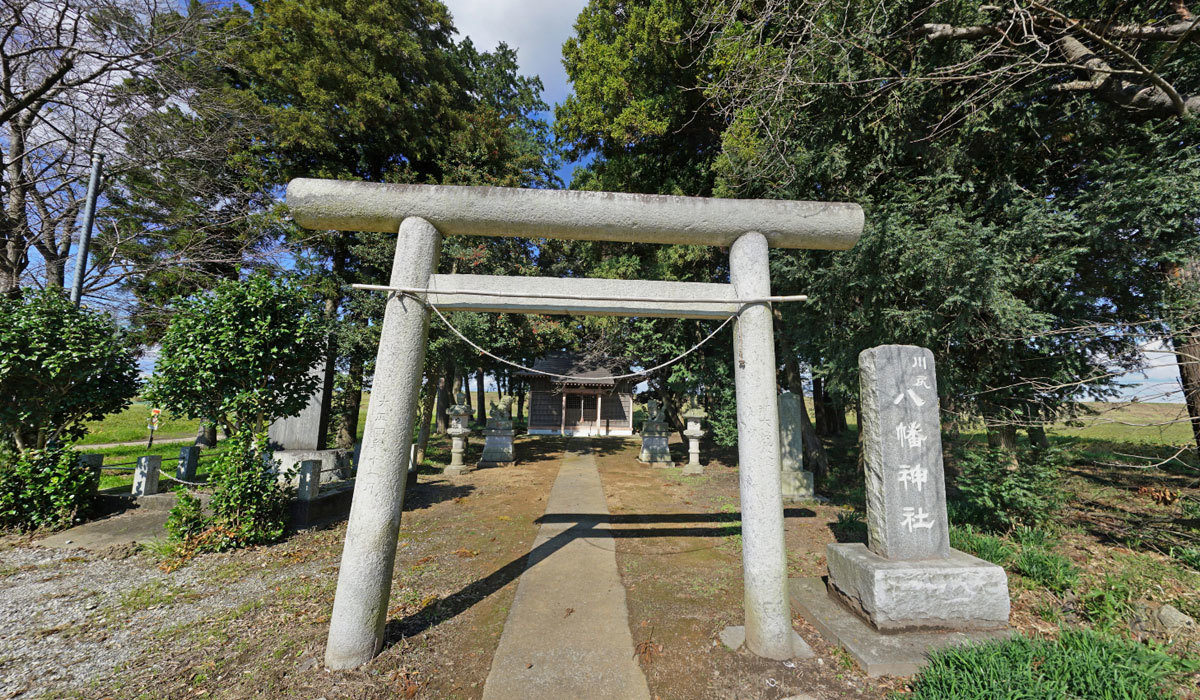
<point x="85" y="234"/>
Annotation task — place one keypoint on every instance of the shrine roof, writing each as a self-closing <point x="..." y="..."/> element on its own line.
<point x="582" y="371"/>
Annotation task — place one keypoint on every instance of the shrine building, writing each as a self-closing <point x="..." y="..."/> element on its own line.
<point x="588" y="402"/>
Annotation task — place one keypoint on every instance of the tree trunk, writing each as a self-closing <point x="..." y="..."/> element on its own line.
<point x="443" y="402"/>
<point x="838" y="418"/>
<point x="1037" y="437"/>
<point x="206" y="434"/>
<point x="332" y="302"/>
<point x="428" y="399"/>
<point x="821" y="421"/>
<point x="56" y="273"/>
<point x="481" y="409"/>
<point x="465" y="383"/>
<point x="1186" y="341"/>
<point x="815" y="458"/>
<point x="1004" y="437"/>
<point x="347" y="434"/>
<point x="521" y="404"/>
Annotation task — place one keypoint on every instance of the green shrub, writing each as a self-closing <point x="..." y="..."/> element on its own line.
<point x="60" y="367"/>
<point x="967" y="539"/>
<point x="186" y="519"/>
<point x="248" y="500"/>
<point x="248" y="504"/>
<point x="1033" y="536"/>
<point x="1081" y="663"/>
<point x="850" y="525"/>
<point x="45" y="488"/>
<point x="1053" y="571"/>
<point x="993" y="497"/>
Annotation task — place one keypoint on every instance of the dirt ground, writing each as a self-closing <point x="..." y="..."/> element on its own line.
<point x="253" y="623"/>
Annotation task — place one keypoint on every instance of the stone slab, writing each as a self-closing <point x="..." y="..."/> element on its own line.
<point x="958" y="592"/>
<point x="878" y="653"/>
<point x="302" y="431"/>
<point x="902" y="450"/>
<point x="797" y="486"/>
<point x="567" y="633"/>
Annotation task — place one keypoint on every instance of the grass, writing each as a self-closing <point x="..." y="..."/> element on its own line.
<point x="990" y="547"/>
<point x="1080" y="663"/>
<point x="130" y="425"/>
<point x="130" y="453"/>
<point x="1054" y="571"/>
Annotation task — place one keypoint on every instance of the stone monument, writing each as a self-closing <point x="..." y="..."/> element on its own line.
<point x="459" y="431"/>
<point x="908" y="577"/>
<point x="693" y="417"/>
<point x="797" y="483"/>
<point x="654" y="438"/>
<point x="301" y="438"/>
<point x="498" y="435"/>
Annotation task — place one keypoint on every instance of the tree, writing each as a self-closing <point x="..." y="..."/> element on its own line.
<point x="63" y="70"/>
<point x="1061" y="132"/>
<point x="382" y="93"/>
<point x="240" y="355"/>
<point x="60" y="366"/>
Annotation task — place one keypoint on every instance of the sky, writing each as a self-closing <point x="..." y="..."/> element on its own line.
<point x="535" y="28"/>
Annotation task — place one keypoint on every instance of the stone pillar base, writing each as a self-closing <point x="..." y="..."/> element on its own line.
<point x="797" y="485"/>
<point x="960" y="592"/>
<point x="460" y="469"/>
<point x="693" y="468"/>
<point x="497" y="449"/>
<point x="654" y="451"/>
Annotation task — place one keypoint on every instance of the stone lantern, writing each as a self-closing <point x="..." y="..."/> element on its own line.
<point x="693" y="416"/>
<point x="459" y="431"/>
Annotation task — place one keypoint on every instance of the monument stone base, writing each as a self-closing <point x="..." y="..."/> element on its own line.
<point x="336" y="464"/>
<point x="878" y="653"/>
<point x="797" y="485"/>
<point x="497" y="449"/>
<point x="655" y="451"/>
<point x="960" y="592"/>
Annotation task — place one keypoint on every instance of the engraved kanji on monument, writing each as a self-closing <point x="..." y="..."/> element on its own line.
<point x="902" y="443"/>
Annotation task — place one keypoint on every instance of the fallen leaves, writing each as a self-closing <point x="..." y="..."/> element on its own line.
<point x="647" y="649"/>
<point x="466" y="553"/>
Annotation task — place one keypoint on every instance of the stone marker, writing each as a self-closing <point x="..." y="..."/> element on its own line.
<point x="654" y="438"/>
<point x="189" y="460"/>
<point x="459" y="431"/>
<point x="305" y="431"/>
<point x="310" y="480"/>
<point x="145" y="475"/>
<point x="498" y="435"/>
<point x="909" y="578"/>
<point x="93" y="462"/>
<point x="797" y="484"/>
<point x="693" y="416"/>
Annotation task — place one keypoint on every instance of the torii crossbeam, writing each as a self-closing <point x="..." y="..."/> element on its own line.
<point x="422" y="214"/>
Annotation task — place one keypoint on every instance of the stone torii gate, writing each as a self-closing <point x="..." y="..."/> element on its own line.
<point x="422" y="214"/>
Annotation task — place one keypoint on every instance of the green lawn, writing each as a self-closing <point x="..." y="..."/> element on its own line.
<point x="125" y="455"/>
<point x="130" y="425"/>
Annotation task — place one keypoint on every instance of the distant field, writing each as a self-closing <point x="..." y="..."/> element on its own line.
<point x="1150" y="423"/>
<point x="130" y="425"/>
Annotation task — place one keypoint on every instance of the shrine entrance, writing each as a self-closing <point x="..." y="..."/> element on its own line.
<point x="422" y="214"/>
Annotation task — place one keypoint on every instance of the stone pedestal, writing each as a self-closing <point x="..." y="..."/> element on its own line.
<point x="654" y="445"/>
<point x="335" y="465"/>
<point x="458" y="432"/>
<point x="498" y="436"/>
<point x="796" y="483"/>
<point x="908" y="577"/>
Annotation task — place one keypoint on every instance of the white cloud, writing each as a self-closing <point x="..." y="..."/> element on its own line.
<point x="535" y="28"/>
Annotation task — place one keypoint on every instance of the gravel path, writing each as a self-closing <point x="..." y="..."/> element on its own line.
<point x="70" y="618"/>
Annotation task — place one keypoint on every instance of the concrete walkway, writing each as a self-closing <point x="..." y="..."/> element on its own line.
<point x="567" y="634"/>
